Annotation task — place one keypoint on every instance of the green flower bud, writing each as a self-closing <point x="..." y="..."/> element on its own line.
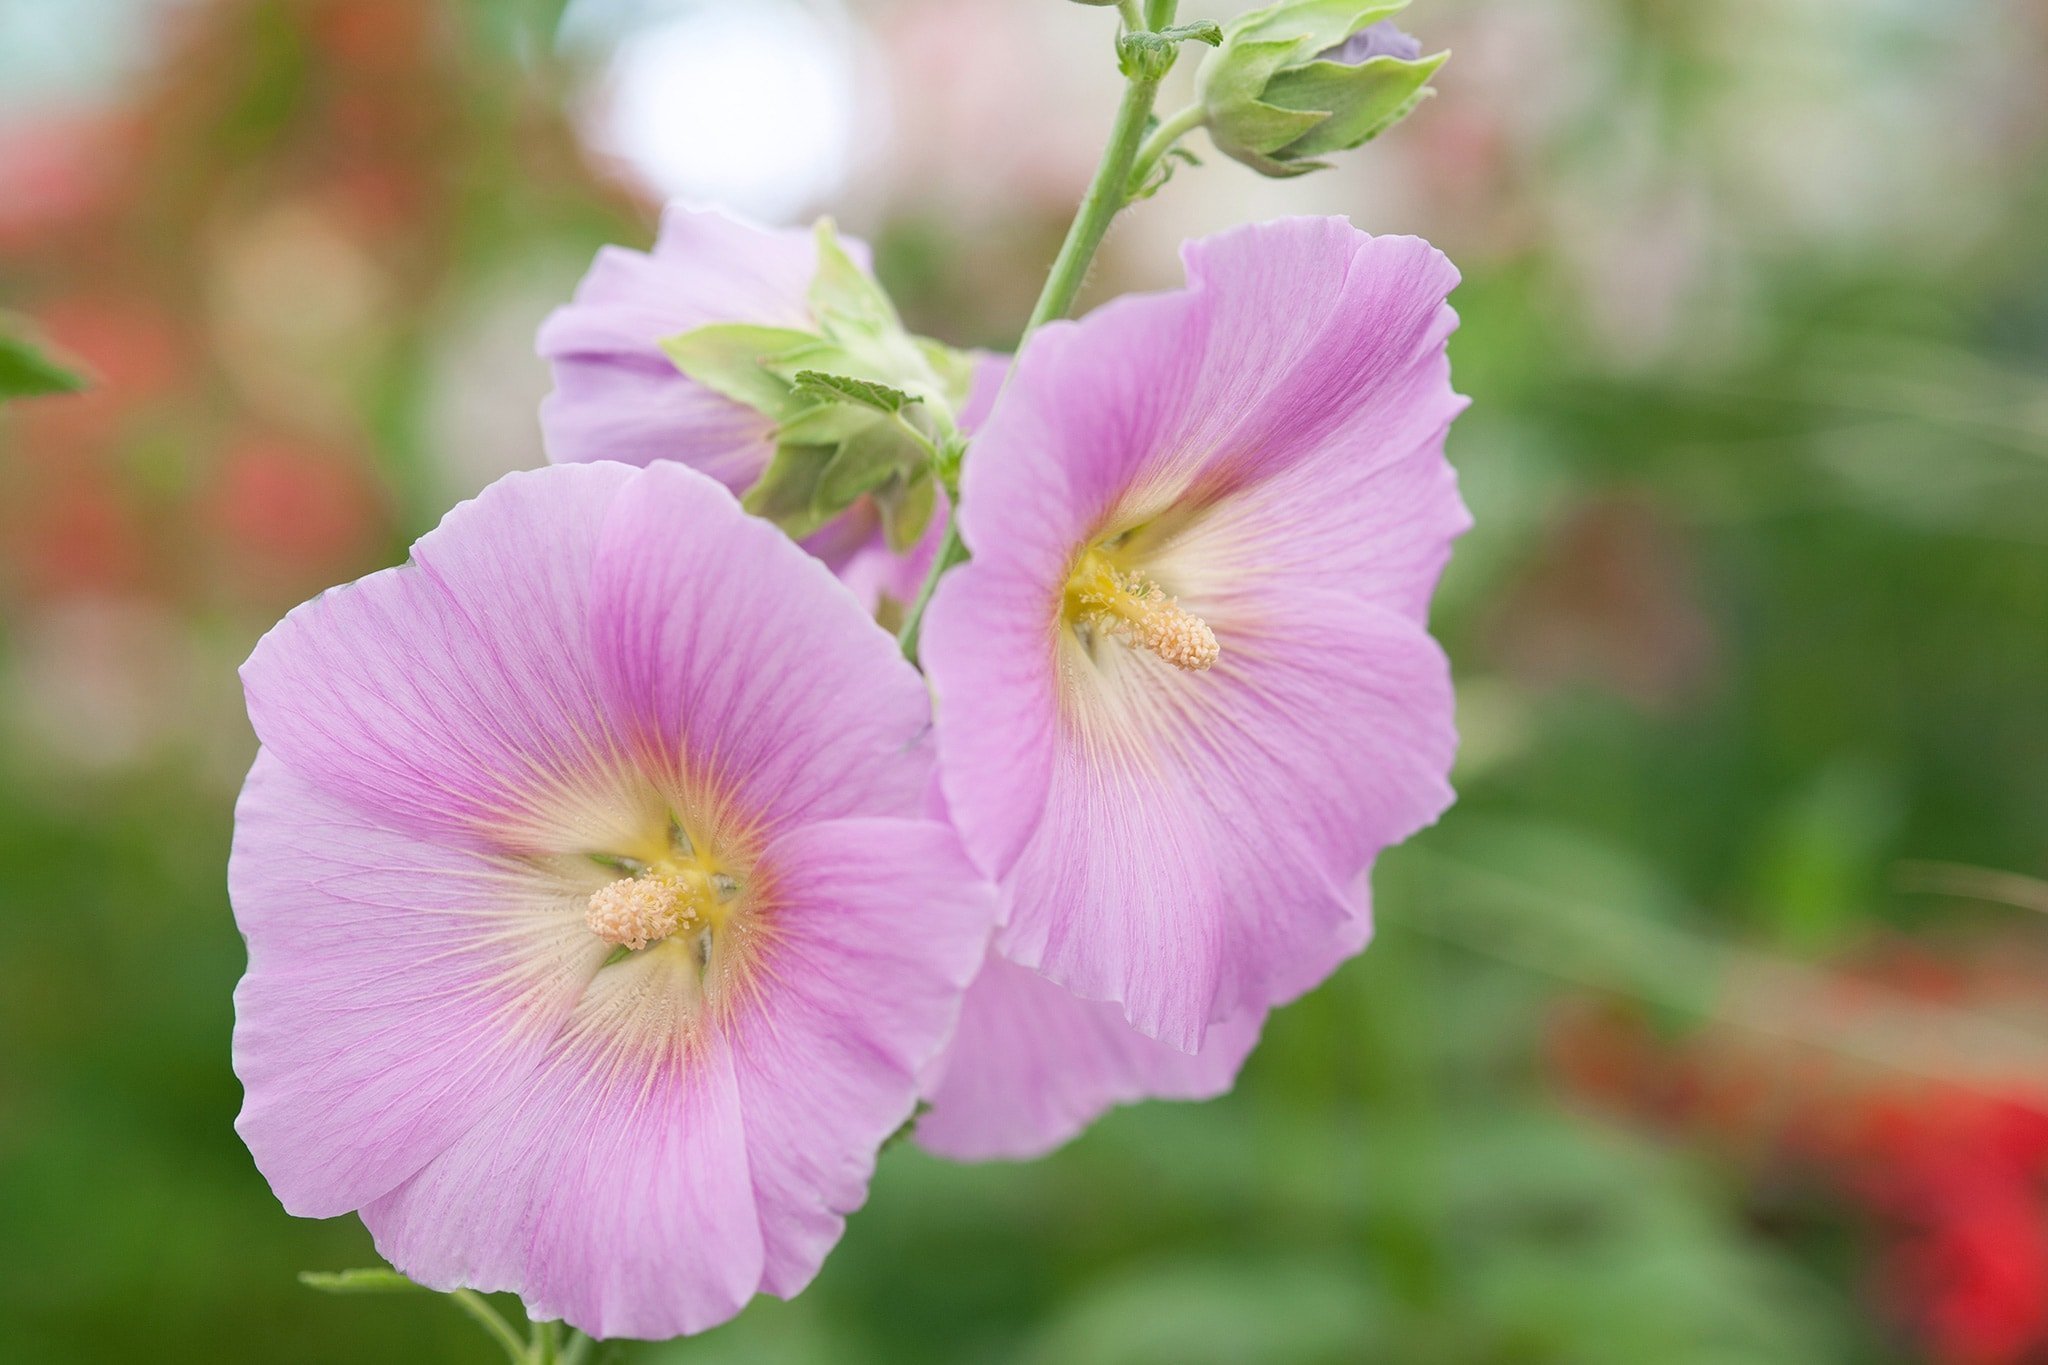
<point x="1303" y="78"/>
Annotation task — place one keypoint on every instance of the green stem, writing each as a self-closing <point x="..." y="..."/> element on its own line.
<point x="1107" y="194"/>
<point x="478" y="1307"/>
<point x="1162" y="139"/>
<point x="578" y="1349"/>
<point x="1132" y="19"/>
<point x="952" y="551"/>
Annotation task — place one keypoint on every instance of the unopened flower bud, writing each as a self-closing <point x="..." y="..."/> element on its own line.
<point x="1300" y="79"/>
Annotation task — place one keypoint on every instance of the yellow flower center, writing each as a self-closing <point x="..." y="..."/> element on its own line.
<point x="1125" y="604"/>
<point x="678" y="893"/>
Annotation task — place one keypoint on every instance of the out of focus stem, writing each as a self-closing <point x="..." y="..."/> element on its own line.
<point x="551" y="1345"/>
<point x="1108" y="193"/>
<point x="479" y="1308"/>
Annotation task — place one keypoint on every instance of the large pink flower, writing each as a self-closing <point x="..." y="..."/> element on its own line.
<point x="1185" y="688"/>
<point x="596" y="939"/>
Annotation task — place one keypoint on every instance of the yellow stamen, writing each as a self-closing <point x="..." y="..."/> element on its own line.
<point x="633" y="912"/>
<point x="1138" y="611"/>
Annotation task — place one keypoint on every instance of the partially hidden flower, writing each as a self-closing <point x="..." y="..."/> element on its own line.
<point x="1032" y="1064"/>
<point x="1298" y="80"/>
<point x="596" y="938"/>
<point x="763" y="294"/>
<point x="1185" y="689"/>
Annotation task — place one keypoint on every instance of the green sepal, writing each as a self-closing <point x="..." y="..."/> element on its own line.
<point x="1364" y="100"/>
<point x="1310" y="26"/>
<point x="27" y="368"/>
<point x="844" y="295"/>
<point x="378" y="1279"/>
<point x="787" y="491"/>
<point x="955" y="370"/>
<point x="823" y="424"/>
<point x="907" y="506"/>
<point x="864" y="462"/>
<point x="736" y="358"/>
<point x="845" y="388"/>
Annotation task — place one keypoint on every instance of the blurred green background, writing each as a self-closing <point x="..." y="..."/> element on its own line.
<point x="1712" y="1024"/>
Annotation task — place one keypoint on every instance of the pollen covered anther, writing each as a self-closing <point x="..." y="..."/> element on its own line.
<point x="1176" y="634"/>
<point x="1141" y="614"/>
<point x="633" y="912"/>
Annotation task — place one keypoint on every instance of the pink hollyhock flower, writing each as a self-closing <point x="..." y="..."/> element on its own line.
<point x="1185" y="688"/>
<point x="618" y="396"/>
<point x="596" y="939"/>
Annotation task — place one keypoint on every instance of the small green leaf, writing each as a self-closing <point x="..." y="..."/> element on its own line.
<point x="27" y="369"/>
<point x="732" y="358"/>
<point x="1201" y="31"/>
<point x="844" y="388"/>
<point x="1162" y="171"/>
<point x="1363" y="100"/>
<point x="368" y="1280"/>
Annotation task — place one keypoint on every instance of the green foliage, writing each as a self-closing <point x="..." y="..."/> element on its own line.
<point x="861" y="408"/>
<point x="841" y="388"/>
<point x="27" y="367"/>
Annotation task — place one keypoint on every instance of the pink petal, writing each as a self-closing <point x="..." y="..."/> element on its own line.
<point x="1292" y="338"/>
<point x="454" y="695"/>
<point x="613" y="1189"/>
<point x="1031" y="1065"/>
<point x="739" y="661"/>
<point x="1193" y="849"/>
<point x="880" y="925"/>
<point x="397" y="990"/>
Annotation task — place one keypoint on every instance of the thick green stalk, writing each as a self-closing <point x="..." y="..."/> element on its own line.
<point x="1107" y="194"/>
